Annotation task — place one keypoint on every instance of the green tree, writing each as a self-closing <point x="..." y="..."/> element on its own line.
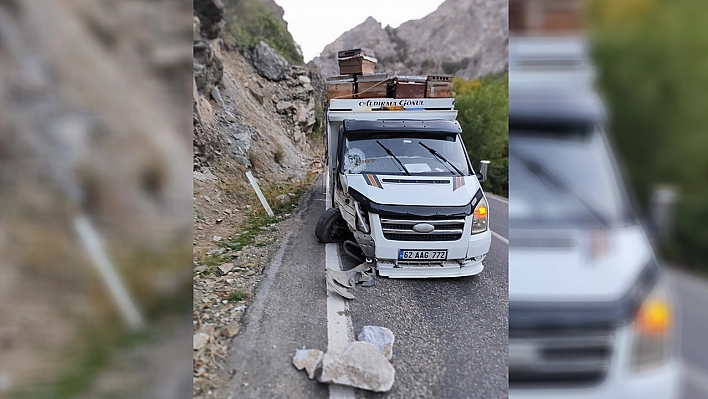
<point x="483" y="113"/>
<point x="653" y="73"/>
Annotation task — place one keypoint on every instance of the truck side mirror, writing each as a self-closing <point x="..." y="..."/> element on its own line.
<point x="661" y="212"/>
<point x="482" y="174"/>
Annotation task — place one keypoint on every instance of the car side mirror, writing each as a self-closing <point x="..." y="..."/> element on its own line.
<point x="482" y="174"/>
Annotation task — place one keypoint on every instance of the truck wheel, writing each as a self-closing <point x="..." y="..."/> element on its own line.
<point x="331" y="227"/>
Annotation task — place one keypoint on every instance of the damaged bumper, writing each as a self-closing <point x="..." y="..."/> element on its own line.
<point x="464" y="254"/>
<point x="446" y="269"/>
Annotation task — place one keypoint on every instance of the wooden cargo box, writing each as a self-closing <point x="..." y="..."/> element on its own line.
<point x="372" y="86"/>
<point x="439" y="86"/>
<point x="340" y="87"/>
<point x="407" y="87"/>
<point x="356" y="61"/>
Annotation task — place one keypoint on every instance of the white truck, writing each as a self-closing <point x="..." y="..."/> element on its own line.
<point x="590" y="315"/>
<point x="401" y="183"/>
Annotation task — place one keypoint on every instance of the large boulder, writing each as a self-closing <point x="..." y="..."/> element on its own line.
<point x="208" y="68"/>
<point x="361" y="365"/>
<point x="211" y="15"/>
<point x="269" y="63"/>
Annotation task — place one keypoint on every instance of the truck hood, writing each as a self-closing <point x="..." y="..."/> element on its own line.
<point x="575" y="265"/>
<point x="415" y="190"/>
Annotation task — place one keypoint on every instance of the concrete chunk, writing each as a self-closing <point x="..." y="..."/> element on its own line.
<point x="361" y="365"/>
<point x="381" y="337"/>
<point x="308" y="359"/>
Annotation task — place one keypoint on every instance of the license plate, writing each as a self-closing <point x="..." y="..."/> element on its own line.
<point x="406" y="254"/>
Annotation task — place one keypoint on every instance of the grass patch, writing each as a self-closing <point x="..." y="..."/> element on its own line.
<point x="87" y="364"/>
<point x="248" y="235"/>
<point x="279" y="154"/>
<point x="237" y="296"/>
<point x="258" y="220"/>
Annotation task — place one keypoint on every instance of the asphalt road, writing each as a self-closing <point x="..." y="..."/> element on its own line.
<point x="451" y="334"/>
<point x="690" y="296"/>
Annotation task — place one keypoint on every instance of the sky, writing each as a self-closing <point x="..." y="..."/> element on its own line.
<point x="317" y="23"/>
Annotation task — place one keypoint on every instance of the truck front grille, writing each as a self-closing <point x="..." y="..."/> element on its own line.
<point x="551" y="358"/>
<point x="400" y="229"/>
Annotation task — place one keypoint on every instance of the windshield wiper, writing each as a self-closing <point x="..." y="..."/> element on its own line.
<point x="394" y="157"/>
<point x="442" y="158"/>
<point x="540" y="171"/>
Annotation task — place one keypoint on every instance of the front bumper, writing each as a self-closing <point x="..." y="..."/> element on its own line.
<point x="464" y="256"/>
<point x="620" y="383"/>
<point x="661" y="383"/>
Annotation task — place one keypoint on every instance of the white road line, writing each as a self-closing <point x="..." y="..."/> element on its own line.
<point x="498" y="198"/>
<point x="499" y="236"/>
<point x="339" y="325"/>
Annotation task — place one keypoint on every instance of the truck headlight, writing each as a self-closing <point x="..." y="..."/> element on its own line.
<point x="651" y="343"/>
<point x="479" y="217"/>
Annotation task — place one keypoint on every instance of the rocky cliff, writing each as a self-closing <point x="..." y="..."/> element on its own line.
<point x="467" y="38"/>
<point x="253" y="110"/>
<point x="251" y="106"/>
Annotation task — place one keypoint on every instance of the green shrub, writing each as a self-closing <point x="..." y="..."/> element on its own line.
<point x="483" y="114"/>
<point x="250" y="21"/>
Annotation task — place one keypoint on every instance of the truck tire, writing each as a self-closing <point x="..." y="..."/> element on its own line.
<point x="331" y="227"/>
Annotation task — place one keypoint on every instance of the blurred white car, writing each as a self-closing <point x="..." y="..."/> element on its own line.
<point x="589" y="313"/>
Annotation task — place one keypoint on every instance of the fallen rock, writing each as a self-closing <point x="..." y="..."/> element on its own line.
<point x="381" y="337"/>
<point x="199" y="340"/>
<point x="231" y="330"/>
<point x="216" y="252"/>
<point x="225" y="268"/>
<point x="269" y="63"/>
<point x="308" y="359"/>
<point x="361" y="365"/>
<point x="283" y="198"/>
<point x="284" y="106"/>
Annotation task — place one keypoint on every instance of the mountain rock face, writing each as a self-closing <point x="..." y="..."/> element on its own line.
<point x="467" y="38"/>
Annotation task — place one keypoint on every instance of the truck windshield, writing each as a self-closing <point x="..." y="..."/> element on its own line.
<point x="363" y="154"/>
<point x="563" y="175"/>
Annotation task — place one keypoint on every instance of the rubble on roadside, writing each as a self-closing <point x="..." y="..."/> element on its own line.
<point x="339" y="280"/>
<point x="381" y="337"/>
<point x="308" y="359"/>
<point x="363" y="364"/>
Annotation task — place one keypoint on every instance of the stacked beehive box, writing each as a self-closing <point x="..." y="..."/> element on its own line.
<point x="358" y="79"/>
<point x="438" y="86"/>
